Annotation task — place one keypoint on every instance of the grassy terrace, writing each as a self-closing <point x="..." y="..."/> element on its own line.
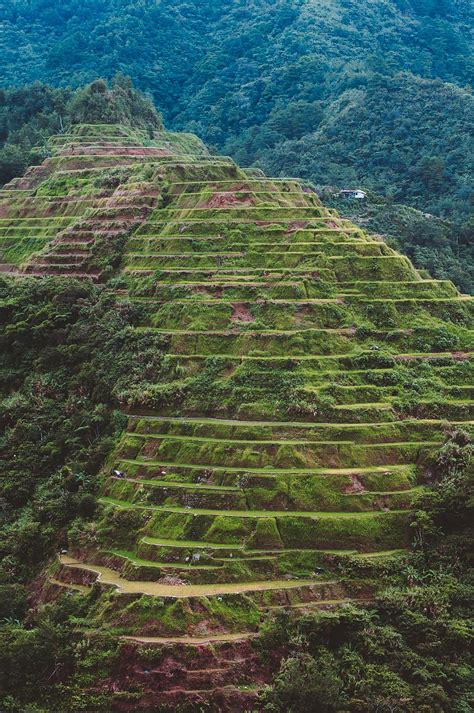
<point x="237" y="441"/>
<point x="408" y="356"/>
<point x="254" y="513"/>
<point x="210" y="269"/>
<point x="273" y="471"/>
<point x="108" y="576"/>
<point x="197" y="545"/>
<point x="306" y="373"/>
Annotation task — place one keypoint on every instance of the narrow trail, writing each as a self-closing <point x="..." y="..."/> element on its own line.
<point x="191" y="640"/>
<point x="125" y="586"/>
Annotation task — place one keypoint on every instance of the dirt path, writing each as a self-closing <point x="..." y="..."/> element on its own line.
<point x="191" y="640"/>
<point x="108" y="576"/>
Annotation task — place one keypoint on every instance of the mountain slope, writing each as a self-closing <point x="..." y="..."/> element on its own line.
<point x="434" y="244"/>
<point x="83" y="40"/>
<point x="284" y="380"/>
<point x="403" y="137"/>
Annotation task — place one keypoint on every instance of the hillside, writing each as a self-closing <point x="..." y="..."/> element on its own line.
<point x="322" y="90"/>
<point x="30" y="115"/>
<point x="445" y="250"/>
<point x="234" y="412"/>
<point x="405" y="138"/>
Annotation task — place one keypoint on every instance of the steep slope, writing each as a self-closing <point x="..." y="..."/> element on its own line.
<point x="250" y="44"/>
<point x="307" y="374"/>
<point x="434" y="244"/>
<point x="81" y="203"/>
<point x="350" y="142"/>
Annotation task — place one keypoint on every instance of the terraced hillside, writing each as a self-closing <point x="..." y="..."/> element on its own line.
<point x="71" y="215"/>
<point x="308" y="374"/>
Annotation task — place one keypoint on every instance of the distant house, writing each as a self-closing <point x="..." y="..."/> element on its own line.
<point x="353" y="193"/>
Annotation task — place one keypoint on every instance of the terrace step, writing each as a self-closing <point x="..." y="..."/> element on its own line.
<point x="57" y="259"/>
<point x="317" y="360"/>
<point x="181" y="567"/>
<point x="43" y="266"/>
<point x="44" y="272"/>
<point x="7" y="268"/>
<point x="107" y="576"/>
<point x="254" y="514"/>
<point x="203" y="420"/>
<point x="82" y="589"/>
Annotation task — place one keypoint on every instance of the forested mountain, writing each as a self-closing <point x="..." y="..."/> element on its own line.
<point x="253" y="46"/>
<point x="339" y="91"/>
<point x="401" y="136"/>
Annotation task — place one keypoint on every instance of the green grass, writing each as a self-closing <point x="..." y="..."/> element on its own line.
<point x="189" y="544"/>
<point x="131" y="557"/>
<point x="251" y="265"/>
<point x="182" y="486"/>
<point x="253" y="513"/>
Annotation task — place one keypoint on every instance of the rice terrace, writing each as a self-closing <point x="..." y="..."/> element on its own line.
<point x="236" y="356"/>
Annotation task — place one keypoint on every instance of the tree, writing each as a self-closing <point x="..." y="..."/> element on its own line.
<point x="13" y="162"/>
<point x="306" y="683"/>
<point x="432" y="171"/>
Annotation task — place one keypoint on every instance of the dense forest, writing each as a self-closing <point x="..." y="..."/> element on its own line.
<point x="403" y="137"/>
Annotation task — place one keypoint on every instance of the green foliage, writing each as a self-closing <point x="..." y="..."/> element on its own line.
<point x="36" y="661"/>
<point x="120" y="104"/>
<point x="397" y="132"/>
<point x="13" y="162"/>
<point x="30" y="115"/>
<point x="410" y="652"/>
<point x="65" y="356"/>
<point x="306" y="682"/>
<point x="440" y="246"/>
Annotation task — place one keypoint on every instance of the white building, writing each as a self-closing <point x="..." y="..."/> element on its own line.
<point x="353" y="193"/>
